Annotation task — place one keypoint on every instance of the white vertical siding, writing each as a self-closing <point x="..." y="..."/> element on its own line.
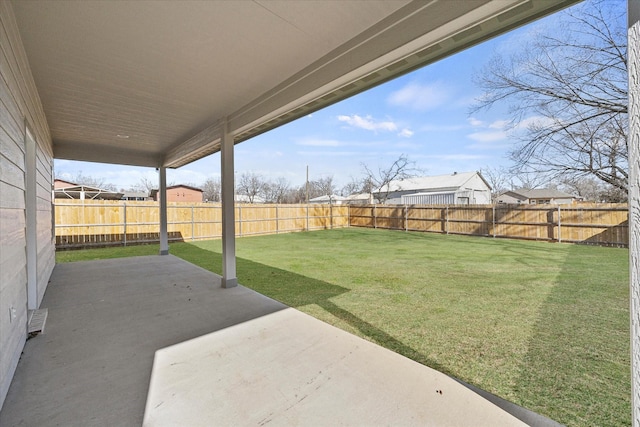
<point x="19" y="105"/>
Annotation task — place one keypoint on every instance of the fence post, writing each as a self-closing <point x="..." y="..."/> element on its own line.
<point x="446" y="219"/>
<point x="330" y="215"/>
<point x="406" y="218"/>
<point x="307" y="216"/>
<point x="559" y="225"/>
<point x="493" y="221"/>
<point x="124" y="225"/>
<point x="277" y="220"/>
<point x="240" y="220"/>
<point x="193" y="236"/>
<point x="375" y="217"/>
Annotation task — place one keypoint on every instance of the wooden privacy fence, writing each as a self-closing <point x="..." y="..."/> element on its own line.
<point x="600" y="224"/>
<point x="80" y="224"/>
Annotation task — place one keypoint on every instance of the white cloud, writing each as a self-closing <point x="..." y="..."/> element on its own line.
<point x="499" y="124"/>
<point x="461" y="156"/>
<point x="406" y="133"/>
<point x="368" y="123"/>
<point x="534" y="120"/>
<point x="475" y="122"/>
<point x="420" y="97"/>
<point x="441" y="128"/>
<point x="488" y="136"/>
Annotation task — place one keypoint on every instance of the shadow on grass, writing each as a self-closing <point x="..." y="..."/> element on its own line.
<point x="579" y="351"/>
<point x="296" y="291"/>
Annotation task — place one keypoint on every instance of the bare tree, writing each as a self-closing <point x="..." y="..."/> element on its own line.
<point x="352" y="187"/>
<point x="527" y="179"/>
<point x="145" y="185"/>
<point x="276" y="191"/>
<point x="251" y="185"/>
<point x="211" y="189"/>
<point x="379" y="182"/>
<point x="321" y="187"/>
<point x="92" y="181"/>
<point x="497" y="178"/>
<point x="589" y="189"/>
<point x="567" y="88"/>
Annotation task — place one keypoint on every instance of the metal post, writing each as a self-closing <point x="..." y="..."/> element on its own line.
<point x="493" y="221"/>
<point x="162" y="195"/>
<point x="406" y="218"/>
<point x="124" y="226"/>
<point x="633" y="51"/>
<point x="330" y="214"/>
<point x="559" y="225"/>
<point x="375" y="217"/>
<point x="229" y="278"/>
<point x="446" y="218"/>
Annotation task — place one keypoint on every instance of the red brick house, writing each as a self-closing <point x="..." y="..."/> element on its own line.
<point x="180" y="193"/>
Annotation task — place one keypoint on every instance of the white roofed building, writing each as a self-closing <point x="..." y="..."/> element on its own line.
<point x="467" y="188"/>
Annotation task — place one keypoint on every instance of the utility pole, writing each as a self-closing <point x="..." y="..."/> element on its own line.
<point x="307" y="185"/>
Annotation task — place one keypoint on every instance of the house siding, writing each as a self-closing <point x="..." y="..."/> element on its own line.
<point x="19" y="107"/>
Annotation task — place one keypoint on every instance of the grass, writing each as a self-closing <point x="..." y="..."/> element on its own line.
<point x="543" y="325"/>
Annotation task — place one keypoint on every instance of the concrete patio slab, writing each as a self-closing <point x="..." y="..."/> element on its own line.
<point x="159" y="332"/>
<point x="288" y="368"/>
<point x="91" y="366"/>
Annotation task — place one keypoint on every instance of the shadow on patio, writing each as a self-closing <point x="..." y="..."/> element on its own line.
<point x="159" y="331"/>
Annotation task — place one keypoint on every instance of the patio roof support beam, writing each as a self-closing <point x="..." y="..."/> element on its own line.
<point x="633" y="51"/>
<point x="162" y="196"/>
<point x="229" y="279"/>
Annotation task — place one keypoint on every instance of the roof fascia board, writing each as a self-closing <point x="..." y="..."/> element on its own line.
<point x="396" y="45"/>
<point x="200" y="145"/>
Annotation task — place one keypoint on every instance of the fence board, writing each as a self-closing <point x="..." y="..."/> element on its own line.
<point x="601" y="224"/>
<point x="103" y="223"/>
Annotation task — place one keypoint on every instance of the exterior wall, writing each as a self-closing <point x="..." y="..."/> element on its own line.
<point x="551" y="201"/>
<point x="19" y="106"/>
<point x="505" y="198"/>
<point x="429" y="199"/>
<point x="181" y="194"/>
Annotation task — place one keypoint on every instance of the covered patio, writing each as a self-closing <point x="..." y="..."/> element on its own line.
<point x="156" y="341"/>
<point x="161" y="84"/>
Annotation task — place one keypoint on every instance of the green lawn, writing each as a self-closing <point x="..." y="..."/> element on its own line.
<point x="543" y="325"/>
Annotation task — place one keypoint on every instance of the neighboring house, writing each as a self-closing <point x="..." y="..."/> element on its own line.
<point x="329" y="200"/>
<point x="135" y="196"/>
<point x="543" y="196"/>
<point x="243" y="198"/>
<point x="467" y="188"/>
<point x="60" y="183"/>
<point x="360" y="199"/>
<point x="180" y="193"/>
<point x="69" y="190"/>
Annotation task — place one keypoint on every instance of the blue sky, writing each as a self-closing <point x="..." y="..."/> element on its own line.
<point x="424" y="115"/>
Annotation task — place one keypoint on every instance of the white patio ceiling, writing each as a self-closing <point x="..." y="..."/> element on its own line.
<point x="148" y="82"/>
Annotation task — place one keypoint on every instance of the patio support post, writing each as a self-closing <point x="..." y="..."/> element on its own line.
<point x="633" y="52"/>
<point x="229" y="279"/>
<point x="162" y="196"/>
